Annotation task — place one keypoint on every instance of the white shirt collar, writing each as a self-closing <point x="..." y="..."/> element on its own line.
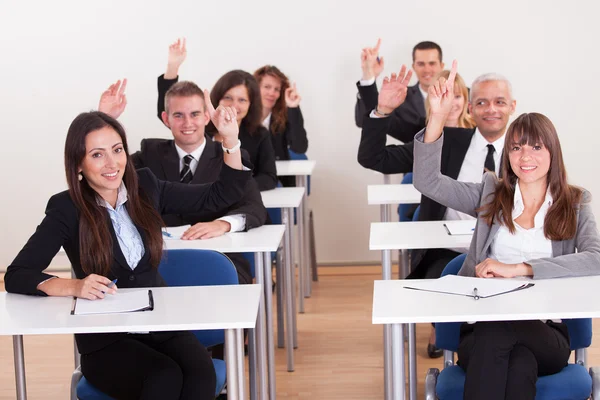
<point x="267" y="121"/>
<point x="196" y="153"/>
<point x="423" y="92"/>
<point x="121" y="198"/>
<point x="519" y="206"/>
<point x="481" y="142"/>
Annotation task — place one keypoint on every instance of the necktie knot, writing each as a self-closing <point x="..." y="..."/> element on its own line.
<point x="490" y="164"/>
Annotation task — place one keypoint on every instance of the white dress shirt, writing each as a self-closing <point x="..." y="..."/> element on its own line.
<point x="267" y="122"/>
<point x="524" y="244"/>
<point x="237" y="221"/>
<point x="471" y="169"/>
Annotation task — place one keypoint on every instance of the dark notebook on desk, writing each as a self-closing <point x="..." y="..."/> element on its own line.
<point x="477" y="288"/>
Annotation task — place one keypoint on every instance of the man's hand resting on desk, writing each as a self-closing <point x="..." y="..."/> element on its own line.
<point x="491" y="268"/>
<point x="207" y="230"/>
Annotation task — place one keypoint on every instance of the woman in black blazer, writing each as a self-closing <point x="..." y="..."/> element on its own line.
<point x="281" y="115"/>
<point x="236" y="89"/>
<point x="109" y="224"/>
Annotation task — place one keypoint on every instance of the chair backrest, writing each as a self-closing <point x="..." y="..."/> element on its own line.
<point x="416" y="213"/>
<point x="447" y="335"/>
<point x="298" y="156"/>
<point x="199" y="268"/>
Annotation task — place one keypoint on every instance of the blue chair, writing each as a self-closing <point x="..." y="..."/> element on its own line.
<point x="181" y="268"/>
<point x="573" y="382"/>
<point x="406" y="210"/>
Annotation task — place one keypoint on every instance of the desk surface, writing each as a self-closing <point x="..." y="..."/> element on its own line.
<point x="283" y="197"/>
<point x="295" y="167"/>
<point x="265" y="238"/>
<point x="548" y="299"/>
<point x="392" y="194"/>
<point x="175" y="308"/>
<point x="414" y="235"/>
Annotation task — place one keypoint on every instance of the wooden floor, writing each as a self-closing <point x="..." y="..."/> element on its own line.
<point x="340" y="354"/>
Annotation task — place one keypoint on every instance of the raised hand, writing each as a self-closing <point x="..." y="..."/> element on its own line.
<point x="225" y="120"/>
<point x="177" y="55"/>
<point x="292" y="98"/>
<point x="441" y="94"/>
<point x="393" y="91"/>
<point x="207" y="230"/>
<point x="370" y="62"/>
<point x="113" y="100"/>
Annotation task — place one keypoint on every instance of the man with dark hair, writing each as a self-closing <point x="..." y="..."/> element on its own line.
<point x="427" y="63"/>
<point x="193" y="157"/>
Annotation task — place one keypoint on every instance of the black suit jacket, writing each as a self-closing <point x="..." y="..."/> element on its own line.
<point x="394" y="159"/>
<point x="258" y="145"/>
<point x="60" y="227"/>
<point x="161" y="157"/>
<point x="293" y="137"/>
<point x="411" y="112"/>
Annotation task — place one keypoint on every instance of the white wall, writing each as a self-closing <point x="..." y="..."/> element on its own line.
<point x="58" y="56"/>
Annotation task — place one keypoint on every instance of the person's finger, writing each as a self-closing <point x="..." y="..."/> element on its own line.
<point x="183" y="45"/>
<point x="402" y="72"/>
<point x="406" y="80"/>
<point x="123" y="87"/>
<point x="453" y="73"/>
<point x="376" y="48"/>
<point x="441" y="84"/>
<point x="208" y="103"/>
<point x="393" y="77"/>
<point x="381" y="61"/>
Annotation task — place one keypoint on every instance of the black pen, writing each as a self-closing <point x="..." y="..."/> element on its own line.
<point x="475" y="295"/>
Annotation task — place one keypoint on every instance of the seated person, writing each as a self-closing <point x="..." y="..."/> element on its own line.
<point x="108" y="223"/>
<point x="281" y="115"/>
<point x="234" y="89"/>
<point x="529" y="223"/>
<point x="192" y="157"/>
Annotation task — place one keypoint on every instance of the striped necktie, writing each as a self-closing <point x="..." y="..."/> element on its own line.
<point x="185" y="176"/>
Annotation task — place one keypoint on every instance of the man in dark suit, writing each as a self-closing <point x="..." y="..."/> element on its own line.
<point x="192" y="157"/>
<point x="466" y="153"/>
<point x="427" y="63"/>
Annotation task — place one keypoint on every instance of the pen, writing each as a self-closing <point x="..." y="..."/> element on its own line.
<point x="167" y="234"/>
<point x="475" y="295"/>
<point x="110" y="285"/>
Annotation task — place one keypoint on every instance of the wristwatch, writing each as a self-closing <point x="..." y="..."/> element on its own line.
<point x="233" y="149"/>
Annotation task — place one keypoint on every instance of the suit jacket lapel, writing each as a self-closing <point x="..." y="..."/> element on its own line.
<point x="117" y="253"/>
<point x="417" y="100"/>
<point x="488" y="241"/>
<point x="170" y="161"/>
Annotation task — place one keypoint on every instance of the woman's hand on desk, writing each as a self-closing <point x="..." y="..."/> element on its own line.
<point x="207" y="230"/>
<point x="491" y="268"/>
<point x="93" y="287"/>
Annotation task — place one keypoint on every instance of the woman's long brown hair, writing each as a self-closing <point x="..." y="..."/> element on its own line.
<point x="561" y="219"/>
<point x="279" y="114"/>
<point x="95" y="241"/>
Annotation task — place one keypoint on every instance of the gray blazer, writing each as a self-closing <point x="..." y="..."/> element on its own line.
<point x="467" y="197"/>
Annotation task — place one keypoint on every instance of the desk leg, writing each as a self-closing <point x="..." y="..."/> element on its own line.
<point x="231" y="360"/>
<point x="280" y="276"/>
<point x="239" y="349"/>
<point x="302" y="259"/>
<point x="386" y="256"/>
<point x="289" y="290"/>
<point x="412" y="361"/>
<point x="19" y="367"/>
<point x="261" y="337"/>
<point x="76" y="350"/>
<point x="398" y="362"/>
<point x="269" y="323"/>
<point x="252" y="363"/>
<point x="304" y="231"/>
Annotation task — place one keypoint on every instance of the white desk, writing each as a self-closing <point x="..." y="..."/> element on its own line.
<point x="233" y="308"/>
<point x="392" y="194"/>
<point x="301" y="169"/>
<point x="387" y="236"/>
<point x="261" y="347"/>
<point x="548" y="299"/>
<point x="286" y="198"/>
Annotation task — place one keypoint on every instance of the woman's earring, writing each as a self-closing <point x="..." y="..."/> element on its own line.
<point x="80" y="177"/>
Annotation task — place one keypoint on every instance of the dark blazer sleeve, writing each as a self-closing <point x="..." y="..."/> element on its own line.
<point x="138" y="159"/>
<point x="366" y="101"/>
<point x="251" y="206"/>
<point x="163" y="86"/>
<point x="182" y="198"/>
<point x="265" y="172"/>
<point x="25" y="273"/>
<point x="296" y="134"/>
<point x="375" y="155"/>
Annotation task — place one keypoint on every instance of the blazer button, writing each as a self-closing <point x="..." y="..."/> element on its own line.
<point x="131" y="278"/>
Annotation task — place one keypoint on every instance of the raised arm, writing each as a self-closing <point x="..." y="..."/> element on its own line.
<point x="372" y="65"/>
<point x="296" y="134"/>
<point x="113" y="100"/>
<point x="177" y="55"/>
<point x="427" y="178"/>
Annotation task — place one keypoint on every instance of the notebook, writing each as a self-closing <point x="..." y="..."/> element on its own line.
<point x="461" y="227"/>
<point x="121" y="302"/>
<point x="174" y="232"/>
<point x="478" y="288"/>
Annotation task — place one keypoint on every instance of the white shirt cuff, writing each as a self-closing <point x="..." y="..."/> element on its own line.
<point x="366" y="82"/>
<point x="373" y="115"/>
<point x="237" y="222"/>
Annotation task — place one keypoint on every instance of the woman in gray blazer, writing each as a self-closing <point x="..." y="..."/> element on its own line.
<point x="530" y="223"/>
